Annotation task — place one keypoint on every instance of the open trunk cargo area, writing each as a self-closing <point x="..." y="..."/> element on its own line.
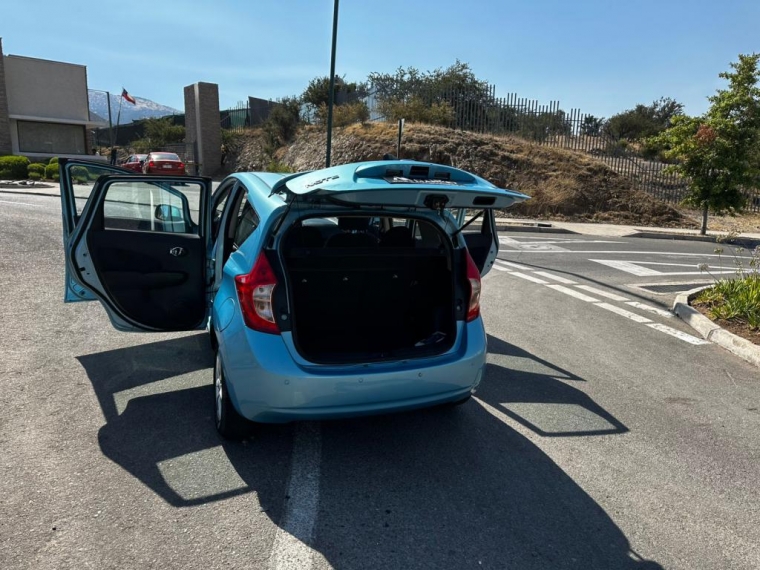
<point x="371" y="302"/>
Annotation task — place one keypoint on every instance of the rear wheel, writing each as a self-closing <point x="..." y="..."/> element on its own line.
<point x="229" y="423"/>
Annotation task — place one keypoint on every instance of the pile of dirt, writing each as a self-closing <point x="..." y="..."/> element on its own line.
<point x="563" y="184"/>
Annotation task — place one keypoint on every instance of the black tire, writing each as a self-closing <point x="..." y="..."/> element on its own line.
<point x="229" y="423"/>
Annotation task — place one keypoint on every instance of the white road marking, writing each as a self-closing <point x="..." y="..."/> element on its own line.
<point x="678" y="334"/>
<point x="623" y="252"/>
<point x="628" y="267"/>
<point x="602" y="293"/>
<point x="514" y="265"/>
<point x="22" y="203"/>
<point x="498" y="267"/>
<point x="292" y="543"/>
<point x="650" y="308"/>
<point x="623" y="313"/>
<point x="530" y="278"/>
<point x="573" y="293"/>
<point x="555" y="277"/>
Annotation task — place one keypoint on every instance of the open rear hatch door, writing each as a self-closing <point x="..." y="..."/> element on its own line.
<point x="397" y="183"/>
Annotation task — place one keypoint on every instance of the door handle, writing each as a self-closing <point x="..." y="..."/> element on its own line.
<point x="178" y="251"/>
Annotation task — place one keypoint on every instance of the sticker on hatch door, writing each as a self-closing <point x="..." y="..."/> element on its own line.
<point x="405" y="180"/>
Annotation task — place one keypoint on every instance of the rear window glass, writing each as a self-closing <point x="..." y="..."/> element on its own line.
<point x="164" y="156"/>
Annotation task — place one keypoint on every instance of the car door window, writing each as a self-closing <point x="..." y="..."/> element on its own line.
<point x="247" y="222"/>
<point x="219" y="202"/>
<point x="152" y="206"/>
<point x="83" y="178"/>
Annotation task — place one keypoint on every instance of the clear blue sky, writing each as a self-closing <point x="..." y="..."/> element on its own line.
<point x="602" y="56"/>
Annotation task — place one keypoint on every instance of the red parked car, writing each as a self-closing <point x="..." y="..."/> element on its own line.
<point x="163" y="163"/>
<point x="135" y="162"/>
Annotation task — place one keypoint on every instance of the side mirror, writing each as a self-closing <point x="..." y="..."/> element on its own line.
<point x="167" y="213"/>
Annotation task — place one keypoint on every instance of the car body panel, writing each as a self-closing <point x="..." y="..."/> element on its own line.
<point x="403" y="183"/>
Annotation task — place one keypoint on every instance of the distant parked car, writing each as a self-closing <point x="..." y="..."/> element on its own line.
<point x="135" y="162"/>
<point x="163" y="163"/>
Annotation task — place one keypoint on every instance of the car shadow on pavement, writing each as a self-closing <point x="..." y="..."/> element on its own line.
<point x="527" y="397"/>
<point x="461" y="488"/>
<point x="157" y="400"/>
<point x="436" y="488"/>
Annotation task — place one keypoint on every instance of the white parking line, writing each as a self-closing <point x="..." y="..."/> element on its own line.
<point x="21" y="203"/>
<point x="678" y="334"/>
<point x="292" y="544"/>
<point x="530" y="278"/>
<point x="602" y="293"/>
<point x="650" y="308"/>
<point x="513" y="265"/>
<point x="623" y="313"/>
<point x="555" y="277"/>
<point x="573" y="293"/>
<point x="500" y="268"/>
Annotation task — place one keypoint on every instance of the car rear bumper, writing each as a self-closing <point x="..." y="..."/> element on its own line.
<point x="267" y="385"/>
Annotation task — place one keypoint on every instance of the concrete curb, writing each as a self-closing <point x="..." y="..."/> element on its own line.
<point x="741" y="347"/>
<point x="738" y="241"/>
<point x="28" y="193"/>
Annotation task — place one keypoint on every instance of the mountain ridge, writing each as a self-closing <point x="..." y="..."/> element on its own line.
<point x="142" y="109"/>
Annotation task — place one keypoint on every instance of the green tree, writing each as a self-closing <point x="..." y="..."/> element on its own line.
<point x="282" y="123"/>
<point x="317" y="95"/>
<point x="592" y="126"/>
<point x="718" y="152"/>
<point x="455" y="86"/>
<point x="644" y="120"/>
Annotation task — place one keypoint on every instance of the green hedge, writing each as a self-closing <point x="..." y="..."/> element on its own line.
<point x="51" y="171"/>
<point x="13" y="167"/>
<point x="36" y="168"/>
<point x="53" y="160"/>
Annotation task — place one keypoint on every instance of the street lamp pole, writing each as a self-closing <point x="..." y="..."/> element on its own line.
<point x="332" y="83"/>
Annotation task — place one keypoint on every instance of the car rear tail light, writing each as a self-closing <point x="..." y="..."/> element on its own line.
<point x="150" y="164"/>
<point x="473" y="277"/>
<point x="255" y="292"/>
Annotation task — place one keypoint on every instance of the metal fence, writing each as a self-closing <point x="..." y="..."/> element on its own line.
<point x="547" y="124"/>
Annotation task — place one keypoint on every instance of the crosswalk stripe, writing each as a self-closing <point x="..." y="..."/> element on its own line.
<point x="530" y="278"/>
<point x="602" y="293"/>
<point x="574" y="293"/>
<point x="623" y="313"/>
<point x="678" y="334"/>
<point x="651" y="309"/>
<point x="513" y="265"/>
<point x="555" y="277"/>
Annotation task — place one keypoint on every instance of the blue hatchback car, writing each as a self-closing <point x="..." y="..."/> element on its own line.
<point x="340" y="292"/>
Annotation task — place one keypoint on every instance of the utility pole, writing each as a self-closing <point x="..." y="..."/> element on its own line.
<point x="332" y="84"/>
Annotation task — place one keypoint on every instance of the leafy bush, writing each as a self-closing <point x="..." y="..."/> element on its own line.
<point x="36" y="168"/>
<point x="53" y="160"/>
<point x="282" y="123"/>
<point x="277" y="166"/>
<point x="344" y="115"/>
<point x="35" y="176"/>
<point x="51" y="171"/>
<point x="415" y="110"/>
<point x="736" y="299"/>
<point x="13" y="167"/>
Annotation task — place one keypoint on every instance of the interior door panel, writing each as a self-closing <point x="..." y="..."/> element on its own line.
<point x="149" y="278"/>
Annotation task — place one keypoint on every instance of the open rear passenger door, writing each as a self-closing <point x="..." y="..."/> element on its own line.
<point x="139" y="245"/>
<point x="478" y="228"/>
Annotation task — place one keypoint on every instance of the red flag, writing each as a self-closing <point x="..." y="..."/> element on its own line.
<point x="127" y="96"/>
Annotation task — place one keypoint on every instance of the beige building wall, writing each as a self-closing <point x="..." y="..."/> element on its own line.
<point x="37" y="88"/>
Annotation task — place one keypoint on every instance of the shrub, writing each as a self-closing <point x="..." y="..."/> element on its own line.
<point x="36" y="168"/>
<point x="344" y="115"/>
<point x="79" y="173"/>
<point x="53" y="160"/>
<point x="415" y="110"/>
<point x="35" y="176"/>
<point x="51" y="171"/>
<point x="13" y="167"/>
<point x="282" y="123"/>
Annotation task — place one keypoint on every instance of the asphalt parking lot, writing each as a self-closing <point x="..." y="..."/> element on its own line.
<point x="606" y="433"/>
